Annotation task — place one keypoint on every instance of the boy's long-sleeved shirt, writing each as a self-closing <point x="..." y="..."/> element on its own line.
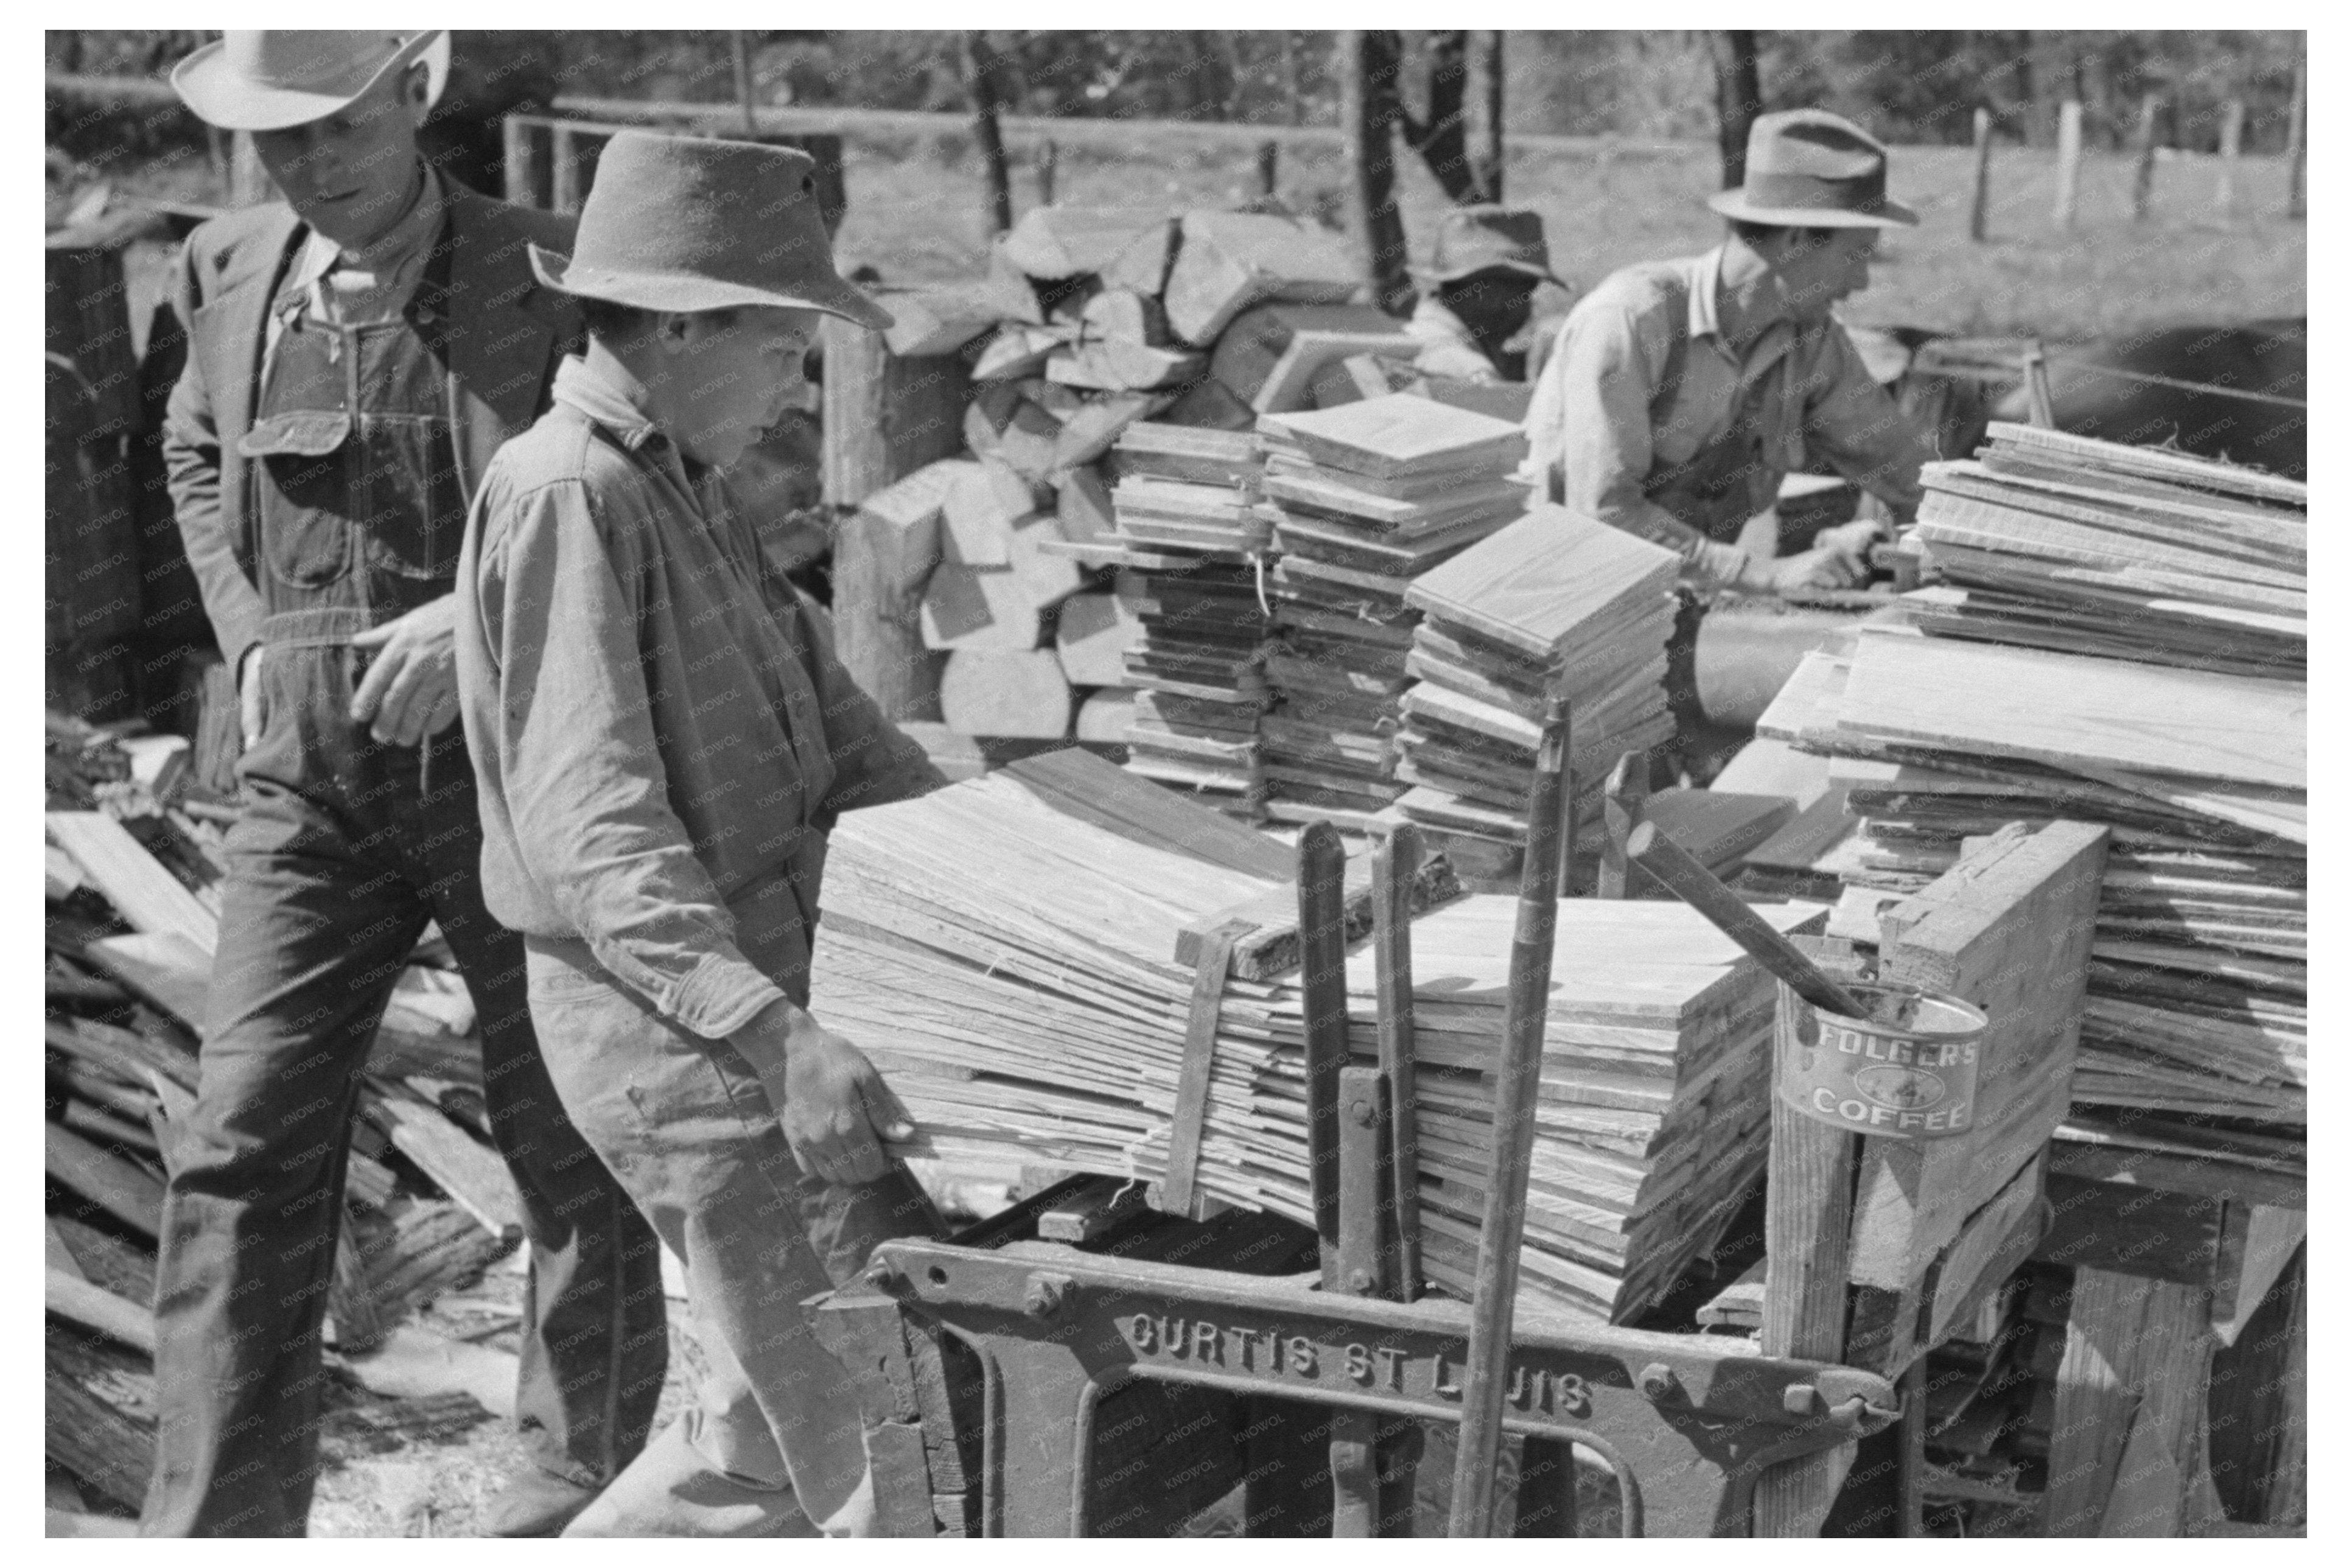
<point x="661" y="729"/>
<point x="1646" y="418"/>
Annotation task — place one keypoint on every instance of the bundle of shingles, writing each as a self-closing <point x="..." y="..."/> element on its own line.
<point x="1093" y="321"/>
<point x="1191" y="530"/>
<point x="1016" y="952"/>
<point x="131" y="920"/>
<point x="2119" y="640"/>
<point x="1368" y="495"/>
<point x="1555" y="604"/>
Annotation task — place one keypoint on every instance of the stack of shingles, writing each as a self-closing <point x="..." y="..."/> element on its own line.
<point x="1555" y="604"/>
<point x="1190" y="527"/>
<point x="2119" y="640"/>
<point x="1096" y="319"/>
<point x="131" y="927"/>
<point x="1368" y="496"/>
<point x="1013" y="952"/>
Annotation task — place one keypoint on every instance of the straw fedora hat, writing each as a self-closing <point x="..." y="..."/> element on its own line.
<point x="678" y="223"/>
<point x="1808" y="168"/>
<point x="271" y="80"/>
<point x="1473" y="239"/>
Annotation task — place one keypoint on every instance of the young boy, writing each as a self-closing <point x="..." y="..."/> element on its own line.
<point x="662" y="737"/>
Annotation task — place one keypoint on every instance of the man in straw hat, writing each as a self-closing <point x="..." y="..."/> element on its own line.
<point x="356" y="354"/>
<point x="1479" y="290"/>
<point x="1681" y="392"/>
<point x="664" y="738"/>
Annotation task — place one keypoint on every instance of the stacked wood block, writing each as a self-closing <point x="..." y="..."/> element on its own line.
<point x="1368" y="495"/>
<point x="1091" y="322"/>
<point x="1553" y="604"/>
<point x="2119" y="642"/>
<point x="1016" y="953"/>
<point x="131" y="920"/>
<point x="1190" y="525"/>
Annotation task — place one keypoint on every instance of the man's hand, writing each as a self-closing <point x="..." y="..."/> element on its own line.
<point x="836" y="1108"/>
<point x="1852" y="539"/>
<point x="411" y="690"/>
<point x="249" y="694"/>
<point x="1821" y="567"/>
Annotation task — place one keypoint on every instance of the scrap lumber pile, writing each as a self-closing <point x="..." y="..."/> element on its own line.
<point x="1190" y="525"/>
<point x="1089" y="322"/>
<point x="131" y="923"/>
<point x="1553" y="604"/>
<point x="2120" y="643"/>
<point x="1368" y="495"/>
<point x="1030" y="1006"/>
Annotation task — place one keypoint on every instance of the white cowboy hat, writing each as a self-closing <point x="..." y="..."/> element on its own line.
<point x="271" y="80"/>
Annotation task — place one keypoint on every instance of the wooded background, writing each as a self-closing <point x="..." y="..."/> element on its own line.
<point x="1905" y="87"/>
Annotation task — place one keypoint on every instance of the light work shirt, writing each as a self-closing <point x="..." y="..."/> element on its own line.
<point x="1647" y="417"/>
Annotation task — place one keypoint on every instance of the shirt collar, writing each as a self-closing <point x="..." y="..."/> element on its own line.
<point x="1705" y="279"/>
<point x="608" y="395"/>
<point x="412" y="234"/>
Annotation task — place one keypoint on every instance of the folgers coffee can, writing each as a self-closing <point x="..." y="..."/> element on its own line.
<point x="1907" y="1071"/>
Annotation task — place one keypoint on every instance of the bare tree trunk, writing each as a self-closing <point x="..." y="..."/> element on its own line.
<point x="980" y="69"/>
<point x="1487" y="116"/>
<point x="1367" y="63"/>
<point x="1739" y="98"/>
<point x="1443" y="139"/>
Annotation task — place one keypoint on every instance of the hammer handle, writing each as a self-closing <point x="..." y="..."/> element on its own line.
<point x="1693" y="883"/>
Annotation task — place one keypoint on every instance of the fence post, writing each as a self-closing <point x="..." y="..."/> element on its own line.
<point x="2296" y="108"/>
<point x="1269" y="165"/>
<point x="2070" y="158"/>
<point x="564" y="192"/>
<point x="1047" y="156"/>
<point x="2225" y="186"/>
<point x="2143" y="176"/>
<point x="1982" y="197"/>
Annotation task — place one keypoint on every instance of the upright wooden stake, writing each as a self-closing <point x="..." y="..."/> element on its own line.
<point x="1503" y="1225"/>
<point x="2144" y="173"/>
<point x="980" y="69"/>
<point x="2297" y="108"/>
<point x="1047" y="156"/>
<point x="2225" y="186"/>
<point x="1366" y="95"/>
<point x="741" y="44"/>
<point x="1269" y="165"/>
<point x="1980" y="198"/>
<point x="2070" y="159"/>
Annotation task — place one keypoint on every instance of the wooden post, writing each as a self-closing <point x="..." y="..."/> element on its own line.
<point x="1047" y="156"/>
<point x="2144" y="172"/>
<point x="2042" y="412"/>
<point x="1981" y="197"/>
<point x="884" y="418"/>
<point x="2297" y="107"/>
<point x="1503" y="1222"/>
<point x="564" y="187"/>
<point x="520" y="163"/>
<point x="2070" y="159"/>
<point x="1269" y="166"/>
<point x="739" y="43"/>
<point x="1366" y="93"/>
<point x="980" y="63"/>
<point x="1739" y="98"/>
<point x="2225" y="186"/>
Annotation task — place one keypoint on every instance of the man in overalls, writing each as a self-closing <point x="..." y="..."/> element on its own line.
<point x="1680" y="393"/>
<point x="356" y="354"/>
